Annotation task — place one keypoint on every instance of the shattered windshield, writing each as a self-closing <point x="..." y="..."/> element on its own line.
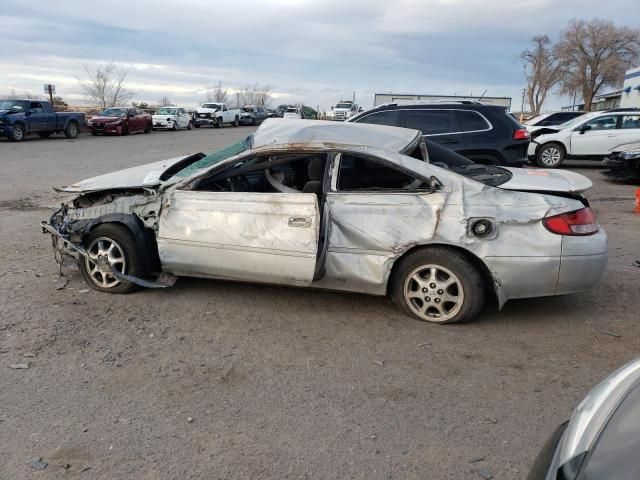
<point x="14" y="105"/>
<point x="166" y="111"/>
<point x="114" y="112"/>
<point x="215" y="157"/>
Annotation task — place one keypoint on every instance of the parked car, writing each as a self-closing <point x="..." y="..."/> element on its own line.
<point x="19" y="118"/>
<point x="624" y="162"/>
<point x="281" y="109"/>
<point x="337" y="206"/>
<point x="172" y="118"/>
<point x="483" y="133"/>
<point x="216" y="115"/>
<point x="292" y="112"/>
<point x="253" y="115"/>
<point x="120" y="121"/>
<point x="551" y="119"/>
<point x="272" y="112"/>
<point x="602" y="439"/>
<point x="589" y="137"/>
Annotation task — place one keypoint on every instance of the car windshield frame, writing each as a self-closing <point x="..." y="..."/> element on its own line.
<point x="113" y="112"/>
<point x="199" y="165"/>
<point x="213" y="106"/>
<point x="167" y="111"/>
<point x="12" y="104"/>
<point x="343" y="105"/>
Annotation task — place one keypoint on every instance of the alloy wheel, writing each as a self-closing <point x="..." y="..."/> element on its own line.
<point x="104" y="248"/>
<point x="551" y="156"/>
<point x="434" y="293"/>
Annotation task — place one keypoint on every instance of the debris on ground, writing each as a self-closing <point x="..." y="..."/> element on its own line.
<point x="611" y="334"/>
<point x="19" y="366"/>
<point x="29" y="355"/>
<point x="476" y="459"/>
<point x="61" y="283"/>
<point x="37" y="463"/>
<point x="484" y="473"/>
<point x="490" y="420"/>
<point x="378" y="362"/>
<point x="424" y="344"/>
<point x="636" y="263"/>
<point x="189" y="419"/>
<point x="83" y="290"/>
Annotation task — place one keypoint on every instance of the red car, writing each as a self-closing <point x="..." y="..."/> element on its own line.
<point x="120" y="121"/>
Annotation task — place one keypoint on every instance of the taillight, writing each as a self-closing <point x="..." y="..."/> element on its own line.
<point x="521" y="134"/>
<point x="580" y="222"/>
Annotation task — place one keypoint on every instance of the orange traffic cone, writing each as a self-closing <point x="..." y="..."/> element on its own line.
<point x="636" y="208"/>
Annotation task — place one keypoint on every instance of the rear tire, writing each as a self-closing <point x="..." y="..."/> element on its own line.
<point x="550" y="155"/>
<point x="438" y="285"/>
<point x="97" y="242"/>
<point x="71" y="132"/>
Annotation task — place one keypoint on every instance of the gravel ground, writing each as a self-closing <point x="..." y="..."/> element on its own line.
<point x="221" y="380"/>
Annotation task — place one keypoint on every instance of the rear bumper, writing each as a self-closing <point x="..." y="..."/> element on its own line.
<point x="579" y="268"/>
<point x="515" y="155"/>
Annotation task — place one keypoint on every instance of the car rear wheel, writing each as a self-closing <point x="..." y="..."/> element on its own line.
<point x="115" y="245"/>
<point x="550" y="155"/>
<point x="438" y="285"/>
<point x="17" y="135"/>
<point x="71" y="131"/>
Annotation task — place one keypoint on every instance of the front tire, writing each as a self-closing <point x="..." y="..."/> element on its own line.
<point x="218" y="122"/>
<point x="550" y="155"/>
<point x="438" y="285"/>
<point x="148" y="128"/>
<point x="190" y="126"/>
<point x="236" y="122"/>
<point x="117" y="245"/>
<point x="71" y="132"/>
<point x="18" y="133"/>
<point x="176" y="127"/>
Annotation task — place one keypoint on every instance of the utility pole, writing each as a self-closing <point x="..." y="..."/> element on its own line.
<point x="524" y="90"/>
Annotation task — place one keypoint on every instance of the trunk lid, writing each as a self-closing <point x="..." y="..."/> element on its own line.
<point x="527" y="179"/>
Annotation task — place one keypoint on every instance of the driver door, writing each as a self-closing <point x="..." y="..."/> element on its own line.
<point x="257" y="237"/>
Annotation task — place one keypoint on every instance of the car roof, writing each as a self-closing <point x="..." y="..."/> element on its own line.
<point x="278" y="131"/>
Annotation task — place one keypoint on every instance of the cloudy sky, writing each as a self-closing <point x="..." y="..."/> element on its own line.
<point x="311" y="51"/>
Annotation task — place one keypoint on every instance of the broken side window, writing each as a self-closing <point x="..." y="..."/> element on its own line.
<point x="358" y="173"/>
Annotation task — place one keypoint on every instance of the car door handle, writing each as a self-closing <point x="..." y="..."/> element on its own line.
<point x="303" y="222"/>
<point x="448" y="142"/>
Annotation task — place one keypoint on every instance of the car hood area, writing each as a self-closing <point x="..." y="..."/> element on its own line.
<point x="147" y="175"/>
<point x="532" y="180"/>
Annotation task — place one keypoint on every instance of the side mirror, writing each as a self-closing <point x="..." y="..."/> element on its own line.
<point x="584" y="128"/>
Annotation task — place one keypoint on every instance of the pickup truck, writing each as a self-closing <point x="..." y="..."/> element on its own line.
<point x="215" y="114"/>
<point x="19" y="118"/>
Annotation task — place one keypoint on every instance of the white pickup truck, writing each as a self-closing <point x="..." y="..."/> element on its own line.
<point x="216" y="115"/>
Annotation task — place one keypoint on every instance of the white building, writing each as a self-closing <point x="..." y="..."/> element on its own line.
<point x="631" y="89"/>
<point x="381" y="98"/>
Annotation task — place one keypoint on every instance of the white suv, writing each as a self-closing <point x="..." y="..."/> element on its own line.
<point x="590" y="136"/>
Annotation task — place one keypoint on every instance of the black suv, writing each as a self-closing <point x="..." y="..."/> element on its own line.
<point x="483" y="133"/>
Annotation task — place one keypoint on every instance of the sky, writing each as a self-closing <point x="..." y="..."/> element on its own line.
<point x="314" y="52"/>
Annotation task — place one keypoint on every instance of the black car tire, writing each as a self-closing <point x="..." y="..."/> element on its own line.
<point x="440" y="262"/>
<point x="125" y="241"/>
<point x="18" y="133"/>
<point x="71" y="132"/>
<point x="190" y="126"/>
<point x="197" y="125"/>
<point x="148" y="128"/>
<point x="175" y="127"/>
<point x="550" y="155"/>
<point x="44" y="134"/>
<point x="236" y="122"/>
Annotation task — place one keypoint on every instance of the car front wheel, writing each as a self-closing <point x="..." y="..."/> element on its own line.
<point x="438" y="285"/>
<point x="115" y="245"/>
<point x="550" y="155"/>
<point x="17" y="135"/>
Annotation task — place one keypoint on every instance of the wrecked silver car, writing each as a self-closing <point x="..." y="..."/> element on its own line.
<point x="353" y="207"/>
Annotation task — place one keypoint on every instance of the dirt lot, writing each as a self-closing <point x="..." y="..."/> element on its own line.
<point x="221" y="380"/>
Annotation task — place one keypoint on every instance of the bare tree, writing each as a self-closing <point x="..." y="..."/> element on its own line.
<point x="595" y="54"/>
<point x="106" y="85"/>
<point x="542" y="69"/>
<point x="165" y="102"/>
<point x="255" y="95"/>
<point x="217" y="94"/>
